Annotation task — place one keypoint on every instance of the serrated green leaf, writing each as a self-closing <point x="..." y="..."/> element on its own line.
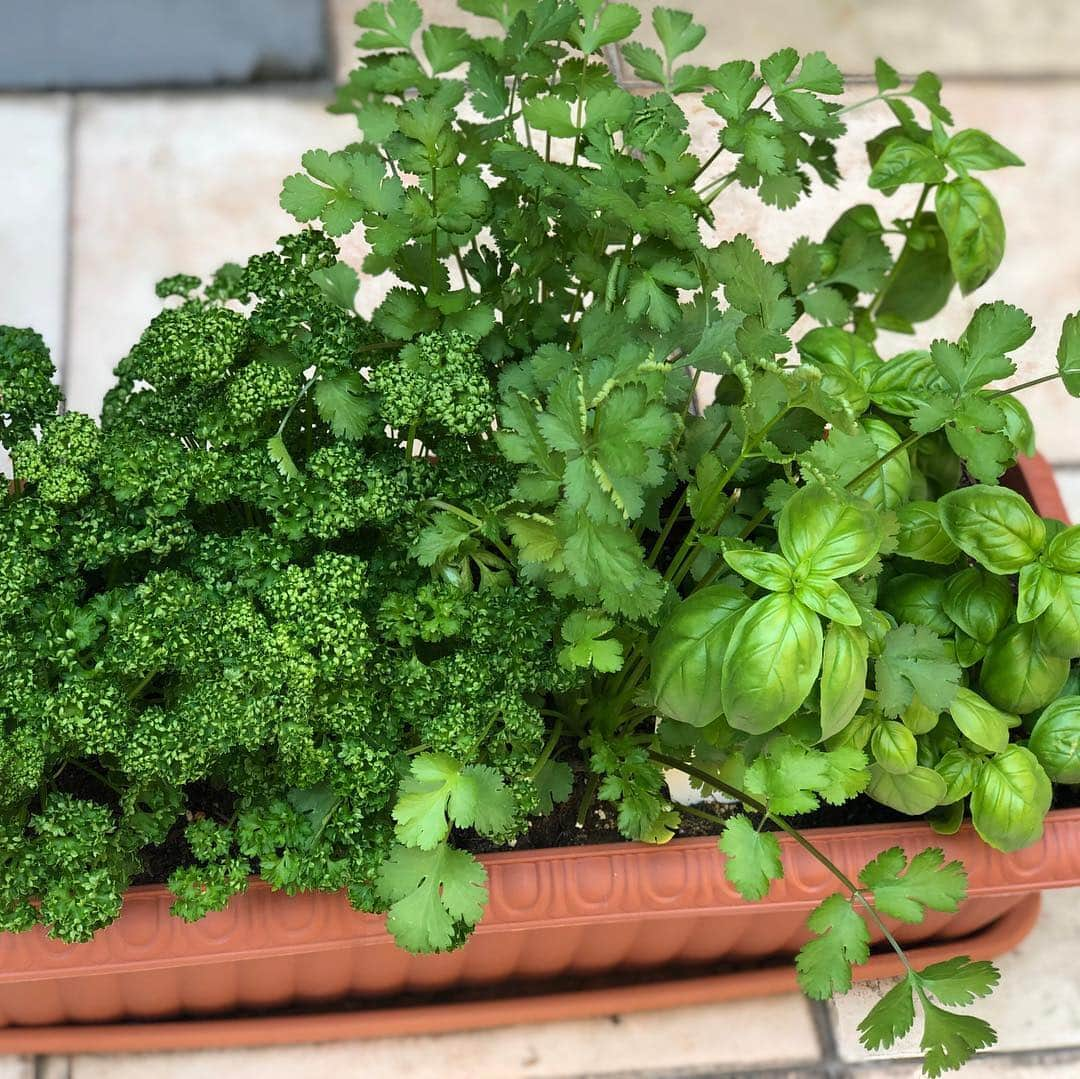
<point x="433" y="894"/>
<point x="824" y="963"/>
<point x="752" y="857"/>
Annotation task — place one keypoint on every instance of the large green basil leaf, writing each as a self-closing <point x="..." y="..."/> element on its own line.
<point x="1055" y="740"/>
<point x="920" y="282"/>
<point x="940" y="467"/>
<point x="904" y="161"/>
<point x="922" y="536"/>
<point x="902" y="384"/>
<point x="843" y="676"/>
<point x="828" y="534"/>
<point x="688" y="653"/>
<point x="768" y="570"/>
<point x="1018" y="675"/>
<point x="1063" y="551"/>
<point x="1018" y="426"/>
<point x="1010" y="798"/>
<point x="825" y="596"/>
<point x="1058" y="626"/>
<point x="959" y="768"/>
<point x="889" y="485"/>
<point x="1068" y="354"/>
<point x="914" y="793"/>
<point x="971" y="220"/>
<point x="979" y="603"/>
<point x="1038" y="585"/>
<point x="771" y="663"/>
<point x="830" y="346"/>
<point x="979" y="721"/>
<point x="968" y="650"/>
<point x="894" y="747"/>
<point x="993" y="525"/>
<point x="918" y="718"/>
<point x="917" y="599"/>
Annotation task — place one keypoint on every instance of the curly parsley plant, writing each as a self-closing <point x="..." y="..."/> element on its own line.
<point x="330" y="599"/>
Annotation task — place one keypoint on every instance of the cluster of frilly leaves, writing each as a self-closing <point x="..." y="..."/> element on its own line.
<point x="324" y="597"/>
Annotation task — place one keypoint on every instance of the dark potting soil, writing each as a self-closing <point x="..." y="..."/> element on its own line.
<point x="559" y="828"/>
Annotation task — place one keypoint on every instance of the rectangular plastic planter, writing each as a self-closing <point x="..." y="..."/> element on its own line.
<point x="622" y="909"/>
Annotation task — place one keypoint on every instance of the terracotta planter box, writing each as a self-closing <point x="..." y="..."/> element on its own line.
<point x="654" y="922"/>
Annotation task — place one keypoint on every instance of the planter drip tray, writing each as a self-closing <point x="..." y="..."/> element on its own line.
<point x="504" y="1005"/>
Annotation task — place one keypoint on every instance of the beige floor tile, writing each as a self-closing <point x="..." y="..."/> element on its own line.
<point x="969" y="37"/>
<point x="1069" y="482"/>
<point x="33" y="212"/>
<point x="169" y="184"/>
<point x="1037" y="1066"/>
<point x="775" y="1030"/>
<point x="1036" y="1006"/>
<point x="16" y="1067"/>
<point x="1040" y="204"/>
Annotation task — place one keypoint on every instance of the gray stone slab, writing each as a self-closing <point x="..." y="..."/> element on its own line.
<point x="100" y="43"/>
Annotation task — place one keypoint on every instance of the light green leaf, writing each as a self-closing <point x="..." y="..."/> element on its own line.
<point x="432" y="895"/>
<point x="971" y="220"/>
<point x="1011" y="797"/>
<point x="771" y="663"/>
<point x="824" y="963"/>
<point x="752" y="857"/>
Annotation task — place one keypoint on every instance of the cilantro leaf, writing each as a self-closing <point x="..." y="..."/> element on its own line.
<point x="914" y="663"/>
<point x="890" y="1018"/>
<point x="824" y="963"/>
<point x="434" y="895"/>
<point x="389" y="25"/>
<point x="752" y="857"/>
<point x="902" y="890"/>
<point x="439" y="792"/>
<point x="553" y="784"/>
<point x="950" y="1039"/>
<point x="344" y="403"/>
<point x="586" y="645"/>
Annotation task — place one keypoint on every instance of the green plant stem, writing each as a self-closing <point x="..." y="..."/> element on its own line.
<point x="876" y="302"/>
<point x="789" y="829"/>
<point x="1027" y="385"/>
<point x="867" y="472"/>
<point x="457" y="511"/>
<point x="587" y="799"/>
<point x="549" y="748"/>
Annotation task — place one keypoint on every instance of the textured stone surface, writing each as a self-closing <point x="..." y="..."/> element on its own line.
<point x="33" y="212"/>
<point x="16" y="1067"/>
<point x="167" y="184"/>
<point x="1033" y="1066"/>
<point x="753" y="1033"/>
<point x="969" y="37"/>
<point x="1037" y="1005"/>
<point x="159" y="42"/>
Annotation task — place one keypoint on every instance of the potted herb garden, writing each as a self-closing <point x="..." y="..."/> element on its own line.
<point x="330" y="604"/>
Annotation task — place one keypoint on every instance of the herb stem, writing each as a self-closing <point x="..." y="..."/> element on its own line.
<point x="879" y="298"/>
<point x="1027" y="385"/>
<point x="789" y="829"/>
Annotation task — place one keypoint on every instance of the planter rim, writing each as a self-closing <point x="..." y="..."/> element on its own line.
<point x="898" y="832"/>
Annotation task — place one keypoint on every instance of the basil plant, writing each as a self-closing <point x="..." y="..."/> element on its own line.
<point x="805" y="585"/>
